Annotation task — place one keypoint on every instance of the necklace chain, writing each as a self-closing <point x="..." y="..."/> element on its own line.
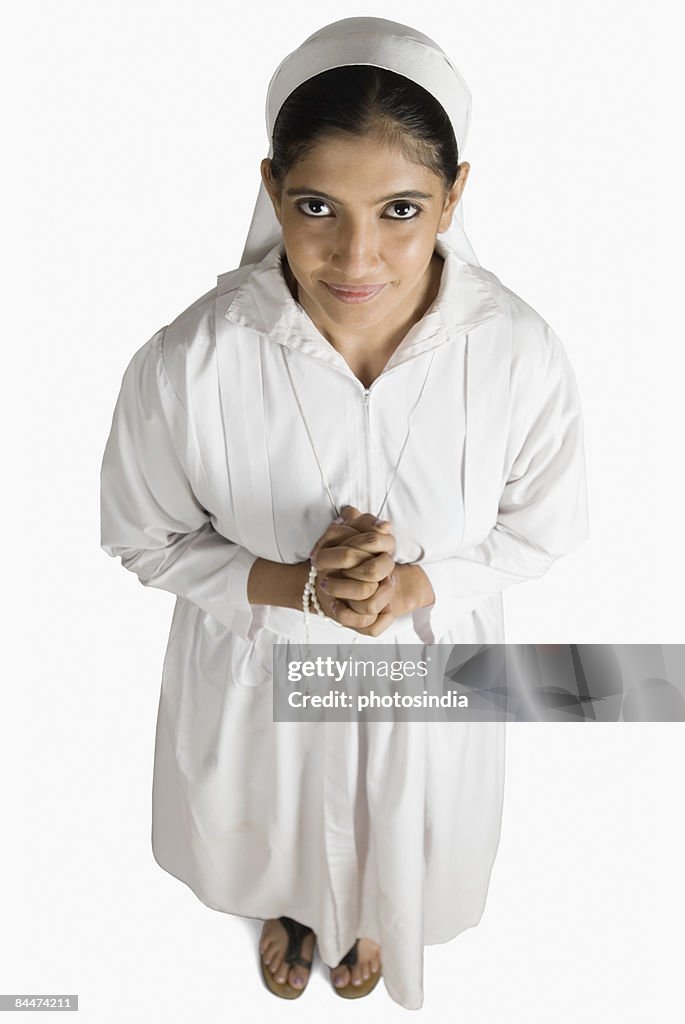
<point x="324" y="478"/>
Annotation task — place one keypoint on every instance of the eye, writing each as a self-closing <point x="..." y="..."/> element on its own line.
<point x="403" y="204"/>
<point x="311" y="202"/>
<point x="317" y="214"/>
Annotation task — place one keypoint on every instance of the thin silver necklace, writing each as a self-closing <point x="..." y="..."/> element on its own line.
<point x="324" y="478"/>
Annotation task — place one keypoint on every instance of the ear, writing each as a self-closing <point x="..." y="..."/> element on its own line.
<point x="273" y="192"/>
<point x="453" y="197"/>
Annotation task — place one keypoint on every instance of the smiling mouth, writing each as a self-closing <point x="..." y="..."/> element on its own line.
<point x="357" y="293"/>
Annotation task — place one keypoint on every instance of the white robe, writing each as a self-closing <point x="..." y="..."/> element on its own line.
<point x="387" y="830"/>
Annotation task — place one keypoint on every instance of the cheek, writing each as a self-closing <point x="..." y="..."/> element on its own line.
<point x="304" y="247"/>
<point x="410" y="245"/>
<point x="410" y="262"/>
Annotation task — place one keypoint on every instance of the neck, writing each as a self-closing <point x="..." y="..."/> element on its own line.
<point x="380" y="340"/>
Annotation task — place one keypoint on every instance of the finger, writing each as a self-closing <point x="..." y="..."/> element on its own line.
<point x="349" y="512"/>
<point x="355" y="524"/>
<point x="330" y="559"/>
<point x="376" y="602"/>
<point x="367" y="521"/>
<point x="349" y="590"/>
<point x="343" y="614"/>
<point x="383" y="621"/>
<point x="373" y="569"/>
<point x="333" y="535"/>
<point x="331" y="606"/>
<point x="368" y="541"/>
<point x="373" y="541"/>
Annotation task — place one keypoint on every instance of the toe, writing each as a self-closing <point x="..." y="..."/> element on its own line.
<point x="298" y="974"/>
<point x="278" y="968"/>
<point x="357" y="976"/>
<point x="340" y="977"/>
<point x="273" y="946"/>
<point x="281" y="975"/>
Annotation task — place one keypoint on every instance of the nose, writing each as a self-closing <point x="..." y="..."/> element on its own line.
<point x="356" y="253"/>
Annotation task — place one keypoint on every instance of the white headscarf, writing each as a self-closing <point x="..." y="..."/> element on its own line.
<point x="384" y="44"/>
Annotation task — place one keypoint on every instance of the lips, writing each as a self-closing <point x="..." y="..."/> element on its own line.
<point x="359" y="293"/>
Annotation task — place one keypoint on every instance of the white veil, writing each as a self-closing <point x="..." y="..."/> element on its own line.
<point x="385" y="44"/>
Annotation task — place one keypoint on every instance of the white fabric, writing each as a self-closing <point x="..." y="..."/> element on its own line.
<point x="385" y="44"/>
<point x="390" y="829"/>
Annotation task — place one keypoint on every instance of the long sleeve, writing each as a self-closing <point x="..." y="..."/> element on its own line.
<point x="150" y="516"/>
<point x="543" y="508"/>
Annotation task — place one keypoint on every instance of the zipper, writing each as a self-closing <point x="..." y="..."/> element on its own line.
<point x="366" y="397"/>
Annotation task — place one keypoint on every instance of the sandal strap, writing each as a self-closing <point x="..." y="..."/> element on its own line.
<point x="350" y="958"/>
<point x="296" y="933"/>
<point x="301" y="961"/>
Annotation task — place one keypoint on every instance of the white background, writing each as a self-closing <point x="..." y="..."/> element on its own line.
<point x="133" y="136"/>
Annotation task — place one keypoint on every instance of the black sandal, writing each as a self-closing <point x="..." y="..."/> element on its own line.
<point x="351" y="991"/>
<point x="296" y="934"/>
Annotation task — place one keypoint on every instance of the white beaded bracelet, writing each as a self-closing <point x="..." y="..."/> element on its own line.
<point x="310" y="593"/>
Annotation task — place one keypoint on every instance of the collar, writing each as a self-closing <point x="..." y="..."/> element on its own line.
<point x="467" y="296"/>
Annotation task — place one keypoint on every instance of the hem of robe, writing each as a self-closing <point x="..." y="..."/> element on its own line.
<point x="408" y="1000"/>
<point x="180" y="848"/>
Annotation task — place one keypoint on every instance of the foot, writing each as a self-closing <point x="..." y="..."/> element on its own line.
<point x="368" y="963"/>
<point x="273" y="945"/>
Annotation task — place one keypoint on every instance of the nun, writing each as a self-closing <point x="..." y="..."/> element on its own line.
<point x="359" y="434"/>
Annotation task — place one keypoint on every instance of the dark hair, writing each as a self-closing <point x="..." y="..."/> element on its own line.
<point x="362" y="99"/>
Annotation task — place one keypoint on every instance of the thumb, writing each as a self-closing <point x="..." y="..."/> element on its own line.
<point x="347" y="512"/>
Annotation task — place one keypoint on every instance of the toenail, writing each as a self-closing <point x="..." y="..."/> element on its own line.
<point x="297" y="981"/>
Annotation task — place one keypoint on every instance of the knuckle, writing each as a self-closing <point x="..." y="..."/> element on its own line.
<point x="383" y="570"/>
<point x="344" y="531"/>
<point x="365" y="570"/>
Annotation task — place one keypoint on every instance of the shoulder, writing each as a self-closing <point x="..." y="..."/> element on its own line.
<point x="189" y="334"/>
<point x="172" y="340"/>
<point x="178" y="351"/>
<point x="536" y="347"/>
<point x="188" y="342"/>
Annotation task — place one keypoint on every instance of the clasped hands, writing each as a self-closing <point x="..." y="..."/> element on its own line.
<point x="358" y="582"/>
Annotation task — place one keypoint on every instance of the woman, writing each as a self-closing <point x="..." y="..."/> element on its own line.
<point x="362" y="414"/>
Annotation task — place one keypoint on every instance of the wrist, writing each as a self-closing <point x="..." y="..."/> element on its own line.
<point x="414" y="588"/>
<point x="298" y="580"/>
<point x="277" y="583"/>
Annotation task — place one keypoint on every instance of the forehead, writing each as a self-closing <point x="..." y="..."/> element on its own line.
<point x="359" y="164"/>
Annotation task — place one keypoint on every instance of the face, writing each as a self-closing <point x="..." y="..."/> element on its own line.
<point x="357" y="214"/>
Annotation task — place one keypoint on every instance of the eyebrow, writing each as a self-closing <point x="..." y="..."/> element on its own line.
<point x="410" y="193"/>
